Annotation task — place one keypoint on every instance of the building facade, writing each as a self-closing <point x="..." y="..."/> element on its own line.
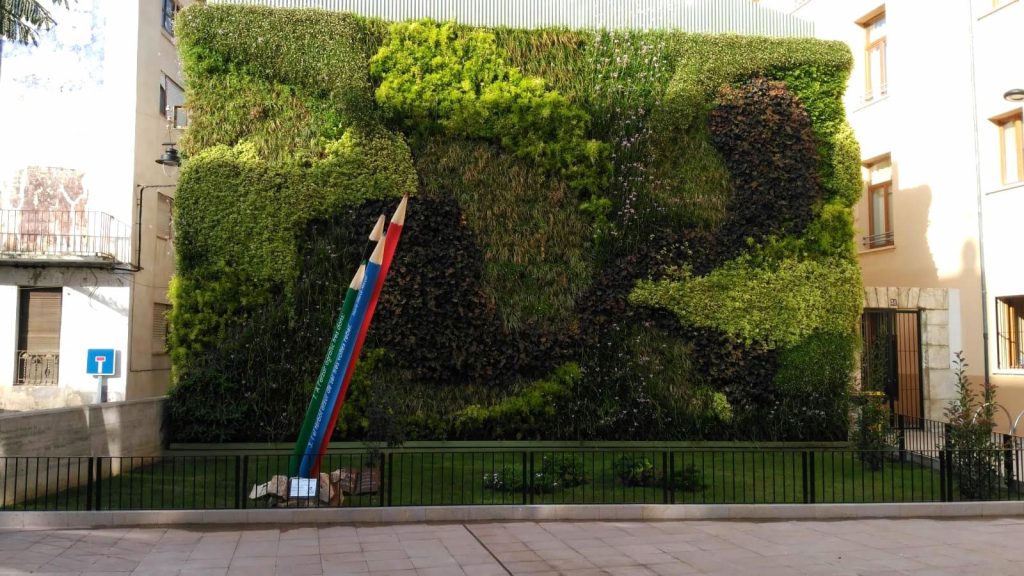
<point x="85" y="211"/>
<point x="931" y="100"/>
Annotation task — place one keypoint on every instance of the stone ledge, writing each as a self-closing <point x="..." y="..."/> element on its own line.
<point x="460" y="514"/>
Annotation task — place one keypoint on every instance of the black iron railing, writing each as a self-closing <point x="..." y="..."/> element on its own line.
<point x="878" y="240"/>
<point x="61" y="234"/>
<point x="37" y="368"/>
<point x="495" y="476"/>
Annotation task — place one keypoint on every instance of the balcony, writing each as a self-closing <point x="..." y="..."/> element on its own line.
<point x="79" y="238"/>
<point x="37" y="368"/>
<point x="877" y="240"/>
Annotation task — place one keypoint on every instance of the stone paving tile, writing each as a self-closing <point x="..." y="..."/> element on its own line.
<point x="441" y="571"/>
<point x="253" y="571"/>
<point x="874" y="546"/>
<point x="486" y="569"/>
<point x="357" y="567"/>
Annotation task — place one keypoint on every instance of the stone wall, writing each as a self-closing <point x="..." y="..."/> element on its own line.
<point x="24" y="398"/>
<point x="48" y="451"/>
<point x="940" y="338"/>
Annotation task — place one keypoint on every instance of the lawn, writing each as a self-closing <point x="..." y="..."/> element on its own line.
<point x="468" y="477"/>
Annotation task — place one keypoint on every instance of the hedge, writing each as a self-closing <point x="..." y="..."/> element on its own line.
<point x="667" y="213"/>
<point x="536" y="275"/>
<point x="775" y="306"/>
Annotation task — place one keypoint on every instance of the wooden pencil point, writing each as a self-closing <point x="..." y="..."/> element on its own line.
<point x="358" y="278"/>
<point x="378" y="253"/>
<point x="399" y="217"/>
<point x="378" y="229"/>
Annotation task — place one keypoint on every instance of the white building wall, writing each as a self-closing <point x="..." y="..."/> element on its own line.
<point x="93" y="317"/>
<point x="94" y="314"/>
<point x="87" y="102"/>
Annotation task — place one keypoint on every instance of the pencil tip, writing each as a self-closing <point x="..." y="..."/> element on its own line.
<point x="378" y="253"/>
<point x="399" y="217"/>
<point x="378" y="229"/>
<point x="358" y="278"/>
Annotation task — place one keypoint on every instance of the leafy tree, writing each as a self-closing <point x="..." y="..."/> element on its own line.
<point x="22" y="20"/>
<point x="969" y="436"/>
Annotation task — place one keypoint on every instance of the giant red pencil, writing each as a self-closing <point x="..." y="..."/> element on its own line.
<point x="391" y="237"/>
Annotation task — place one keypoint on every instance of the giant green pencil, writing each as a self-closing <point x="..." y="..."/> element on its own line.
<point x="316" y="434"/>
<point x="394" y="233"/>
<point x="325" y="370"/>
<point x="332" y="351"/>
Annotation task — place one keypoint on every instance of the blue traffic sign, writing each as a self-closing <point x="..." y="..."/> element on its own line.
<point x="100" y="362"/>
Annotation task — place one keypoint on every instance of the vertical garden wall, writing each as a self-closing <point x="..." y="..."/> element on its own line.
<point x="613" y="235"/>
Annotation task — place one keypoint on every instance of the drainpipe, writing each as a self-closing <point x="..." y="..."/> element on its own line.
<point x="980" y="195"/>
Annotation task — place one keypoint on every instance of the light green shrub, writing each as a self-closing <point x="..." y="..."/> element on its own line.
<point x="774" y="306"/>
<point x="455" y="79"/>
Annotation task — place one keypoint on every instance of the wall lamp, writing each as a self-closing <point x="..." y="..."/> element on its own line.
<point x="170" y="156"/>
<point x="1014" y="95"/>
<point x="177" y="119"/>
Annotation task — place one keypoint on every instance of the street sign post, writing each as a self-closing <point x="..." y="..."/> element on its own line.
<point x="101" y="362"/>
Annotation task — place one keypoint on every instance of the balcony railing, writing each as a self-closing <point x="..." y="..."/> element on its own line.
<point x="50" y="235"/>
<point x="37" y="368"/>
<point x="878" y="240"/>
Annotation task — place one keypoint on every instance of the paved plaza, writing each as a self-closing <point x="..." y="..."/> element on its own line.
<point x="876" y="546"/>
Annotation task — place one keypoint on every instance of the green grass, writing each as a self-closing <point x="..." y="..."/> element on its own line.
<point x="426" y="478"/>
<point x="728" y="478"/>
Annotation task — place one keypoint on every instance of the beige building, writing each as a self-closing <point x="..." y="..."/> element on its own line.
<point x="85" y="210"/>
<point x="932" y="101"/>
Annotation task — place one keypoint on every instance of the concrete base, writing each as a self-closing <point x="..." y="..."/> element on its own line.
<point x="460" y="514"/>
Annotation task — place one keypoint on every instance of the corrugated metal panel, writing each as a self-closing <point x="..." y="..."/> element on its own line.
<point x="712" y="16"/>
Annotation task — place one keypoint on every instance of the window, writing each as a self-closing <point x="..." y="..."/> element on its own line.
<point x="164" y="209"/>
<point x="1011" y="147"/>
<point x="171" y="8"/>
<point x="879" y="194"/>
<point x="159" y="340"/>
<point x="1009" y="329"/>
<point x="172" y="101"/>
<point x="874" y="54"/>
<point x="38" y="336"/>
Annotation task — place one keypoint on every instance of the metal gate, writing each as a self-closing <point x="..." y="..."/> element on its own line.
<point x="891" y="361"/>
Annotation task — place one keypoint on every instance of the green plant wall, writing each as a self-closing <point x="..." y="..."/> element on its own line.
<point x="612" y="235"/>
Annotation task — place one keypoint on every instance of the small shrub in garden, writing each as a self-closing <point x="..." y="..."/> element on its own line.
<point x="508" y="479"/>
<point x="634" y="470"/>
<point x="689" y="479"/>
<point x="511" y="478"/>
<point x="556" y="471"/>
<point x="975" y="456"/>
<point x="566" y="469"/>
<point x="871" y="430"/>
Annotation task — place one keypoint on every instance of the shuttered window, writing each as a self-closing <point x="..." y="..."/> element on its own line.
<point x="39" y="319"/>
<point x="164" y="208"/>
<point x="159" y="341"/>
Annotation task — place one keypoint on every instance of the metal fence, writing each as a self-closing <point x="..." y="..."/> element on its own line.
<point x="494" y="476"/>
<point x="922" y="435"/>
<point x="54" y="233"/>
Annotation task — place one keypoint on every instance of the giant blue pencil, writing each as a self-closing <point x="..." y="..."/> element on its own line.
<point x="394" y="233"/>
<point x="332" y="350"/>
<point x="331" y="393"/>
<point x="325" y="370"/>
